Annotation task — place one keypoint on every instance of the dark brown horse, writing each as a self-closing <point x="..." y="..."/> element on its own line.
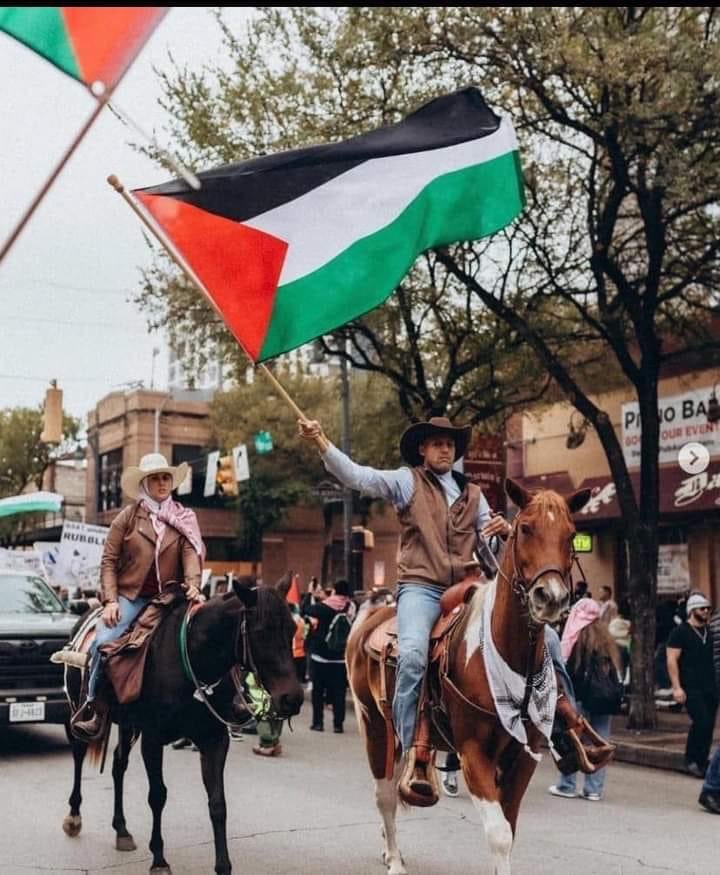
<point x="249" y="629"/>
<point x="531" y="589"/>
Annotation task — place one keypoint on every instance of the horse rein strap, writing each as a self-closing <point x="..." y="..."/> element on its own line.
<point x="202" y="690"/>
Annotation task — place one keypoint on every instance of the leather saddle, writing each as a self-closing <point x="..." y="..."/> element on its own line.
<point x="76" y="653"/>
<point x="382" y="645"/>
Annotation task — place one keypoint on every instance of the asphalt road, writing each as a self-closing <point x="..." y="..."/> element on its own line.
<point x="312" y="811"/>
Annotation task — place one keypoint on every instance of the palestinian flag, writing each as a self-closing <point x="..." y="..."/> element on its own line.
<point x="90" y="43"/>
<point x="291" y="246"/>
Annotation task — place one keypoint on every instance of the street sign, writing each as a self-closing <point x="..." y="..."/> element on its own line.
<point x="263" y="442"/>
<point x="582" y="542"/>
<point x="329" y="491"/>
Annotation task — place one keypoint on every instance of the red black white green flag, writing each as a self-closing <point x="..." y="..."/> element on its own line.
<point x="90" y="43"/>
<point x="293" y="245"/>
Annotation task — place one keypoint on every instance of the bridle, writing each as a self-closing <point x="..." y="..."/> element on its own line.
<point x="520" y="585"/>
<point x="244" y="661"/>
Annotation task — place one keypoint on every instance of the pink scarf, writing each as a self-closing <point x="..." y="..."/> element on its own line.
<point x="337" y="602"/>
<point x="582" y="613"/>
<point x="171" y="513"/>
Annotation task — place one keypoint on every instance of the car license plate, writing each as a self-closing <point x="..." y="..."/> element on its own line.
<point x="27" y="712"/>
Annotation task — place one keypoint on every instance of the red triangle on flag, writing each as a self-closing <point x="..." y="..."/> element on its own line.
<point x="239" y="266"/>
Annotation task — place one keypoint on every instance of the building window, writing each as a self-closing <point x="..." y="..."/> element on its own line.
<point x="109" y="474"/>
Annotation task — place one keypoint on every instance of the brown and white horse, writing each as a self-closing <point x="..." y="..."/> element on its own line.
<point x="531" y="589"/>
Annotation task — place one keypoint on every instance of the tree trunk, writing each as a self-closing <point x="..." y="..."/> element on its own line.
<point x="642" y="549"/>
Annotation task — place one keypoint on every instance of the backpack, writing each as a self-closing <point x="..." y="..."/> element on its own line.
<point x="337" y="633"/>
<point x="602" y="689"/>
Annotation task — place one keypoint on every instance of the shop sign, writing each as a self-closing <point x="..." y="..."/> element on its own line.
<point x="683" y="418"/>
<point x="673" y="573"/>
<point x="582" y="542"/>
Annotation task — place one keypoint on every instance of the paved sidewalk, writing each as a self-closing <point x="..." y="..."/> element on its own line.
<point x="661" y="748"/>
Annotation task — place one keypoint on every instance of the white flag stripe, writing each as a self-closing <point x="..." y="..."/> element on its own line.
<point x="324" y="222"/>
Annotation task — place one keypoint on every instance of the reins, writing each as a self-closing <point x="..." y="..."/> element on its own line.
<point x="244" y="663"/>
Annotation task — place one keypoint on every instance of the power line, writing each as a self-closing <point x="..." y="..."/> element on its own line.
<point x="71" y="288"/>
<point x="32" y="319"/>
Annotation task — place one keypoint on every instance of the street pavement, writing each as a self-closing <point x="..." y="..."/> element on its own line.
<point x="312" y="811"/>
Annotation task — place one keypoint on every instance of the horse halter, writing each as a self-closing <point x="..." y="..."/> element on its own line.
<point x="522" y="587"/>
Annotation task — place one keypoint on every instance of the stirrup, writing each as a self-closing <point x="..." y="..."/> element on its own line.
<point x="421" y="792"/>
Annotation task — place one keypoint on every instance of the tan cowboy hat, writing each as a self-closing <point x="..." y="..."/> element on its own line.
<point x="421" y="431"/>
<point x="152" y="463"/>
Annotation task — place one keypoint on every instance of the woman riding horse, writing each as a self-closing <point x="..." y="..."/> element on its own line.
<point x="152" y="545"/>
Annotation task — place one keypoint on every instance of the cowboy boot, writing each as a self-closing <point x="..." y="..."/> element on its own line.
<point x="418" y="784"/>
<point x="91" y="728"/>
<point x="585" y="750"/>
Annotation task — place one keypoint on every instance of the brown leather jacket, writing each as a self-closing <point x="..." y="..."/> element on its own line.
<point x="129" y="554"/>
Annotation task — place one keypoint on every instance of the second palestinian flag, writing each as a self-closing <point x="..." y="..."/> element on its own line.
<point x="292" y="246"/>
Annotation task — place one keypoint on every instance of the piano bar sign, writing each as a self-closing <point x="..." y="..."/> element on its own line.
<point x="582" y="542"/>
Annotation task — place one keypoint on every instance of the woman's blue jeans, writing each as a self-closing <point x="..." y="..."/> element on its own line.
<point x="595" y="782"/>
<point x="418" y="607"/>
<point x="129" y="611"/>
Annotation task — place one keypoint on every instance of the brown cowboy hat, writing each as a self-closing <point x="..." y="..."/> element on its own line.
<point x="421" y="431"/>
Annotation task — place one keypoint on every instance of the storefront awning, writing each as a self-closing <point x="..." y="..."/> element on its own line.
<point x="680" y="493"/>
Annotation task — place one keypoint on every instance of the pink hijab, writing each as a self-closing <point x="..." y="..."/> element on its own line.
<point x="582" y="613"/>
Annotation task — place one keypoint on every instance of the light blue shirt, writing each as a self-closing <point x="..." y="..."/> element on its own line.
<point x="397" y="485"/>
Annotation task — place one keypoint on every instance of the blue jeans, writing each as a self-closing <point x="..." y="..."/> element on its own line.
<point x="712" y="776"/>
<point x="129" y="611"/>
<point x="418" y="607"/>
<point x="593" y="783"/>
<point x="552" y="640"/>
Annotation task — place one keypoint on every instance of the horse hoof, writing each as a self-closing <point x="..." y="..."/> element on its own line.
<point x="72" y="825"/>
<point x="160" y="870"/>
<point x="125" y="843"/>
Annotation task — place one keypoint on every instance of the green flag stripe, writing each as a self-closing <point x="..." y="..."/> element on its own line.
<point x="42" y="28"/>
<point x="463" y="205"/>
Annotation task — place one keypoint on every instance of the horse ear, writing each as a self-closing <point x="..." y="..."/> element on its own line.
<point x="248" y="595"/>
<point x="578" y="500"/>
<point x="520" y="496"/>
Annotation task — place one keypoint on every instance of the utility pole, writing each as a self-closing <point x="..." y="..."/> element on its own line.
<point x="347" y="493"/>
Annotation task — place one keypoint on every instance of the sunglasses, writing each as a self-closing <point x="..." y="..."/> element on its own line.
<point x="701" y="609"/>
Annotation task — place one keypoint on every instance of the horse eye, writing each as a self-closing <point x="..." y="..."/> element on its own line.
<point x="526" y="528"/>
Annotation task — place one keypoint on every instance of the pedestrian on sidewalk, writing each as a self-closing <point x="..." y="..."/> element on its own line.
<point x="710" y="794"/>
<point x="590" y="653"/>
<point x="692" y="675"/>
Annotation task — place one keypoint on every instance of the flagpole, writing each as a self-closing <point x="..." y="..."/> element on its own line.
<point x="101" y="102"/>
<point x="159" y="235"/>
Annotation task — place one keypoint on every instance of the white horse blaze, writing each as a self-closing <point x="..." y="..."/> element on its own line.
<point x="498" y="833"/>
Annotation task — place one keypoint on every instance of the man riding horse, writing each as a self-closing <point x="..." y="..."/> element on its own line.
<point x="443" y="516"/>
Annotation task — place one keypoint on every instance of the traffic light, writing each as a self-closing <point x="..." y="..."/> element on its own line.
<point x="52" y="416"/>
<point x="225" y="478"/>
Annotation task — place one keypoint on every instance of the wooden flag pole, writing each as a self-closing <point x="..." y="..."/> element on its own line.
<point x="164" y="241"/>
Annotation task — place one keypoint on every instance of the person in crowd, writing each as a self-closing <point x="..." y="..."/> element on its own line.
<point x="431" y="500"/>
<point x="298" y="644"/>
<point x="581" y="591"/>
<point x="608" y="606"/>
<point x="709" y="797"/>
<point x="586" y="642"/>
<point x="692" y="675"/>
<point x="153" y="544"/>
<point x="449" y="769"/>
<point x="268" y="724"/>
<point x="328" y="672"/>
<point x="620" y="628"/>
